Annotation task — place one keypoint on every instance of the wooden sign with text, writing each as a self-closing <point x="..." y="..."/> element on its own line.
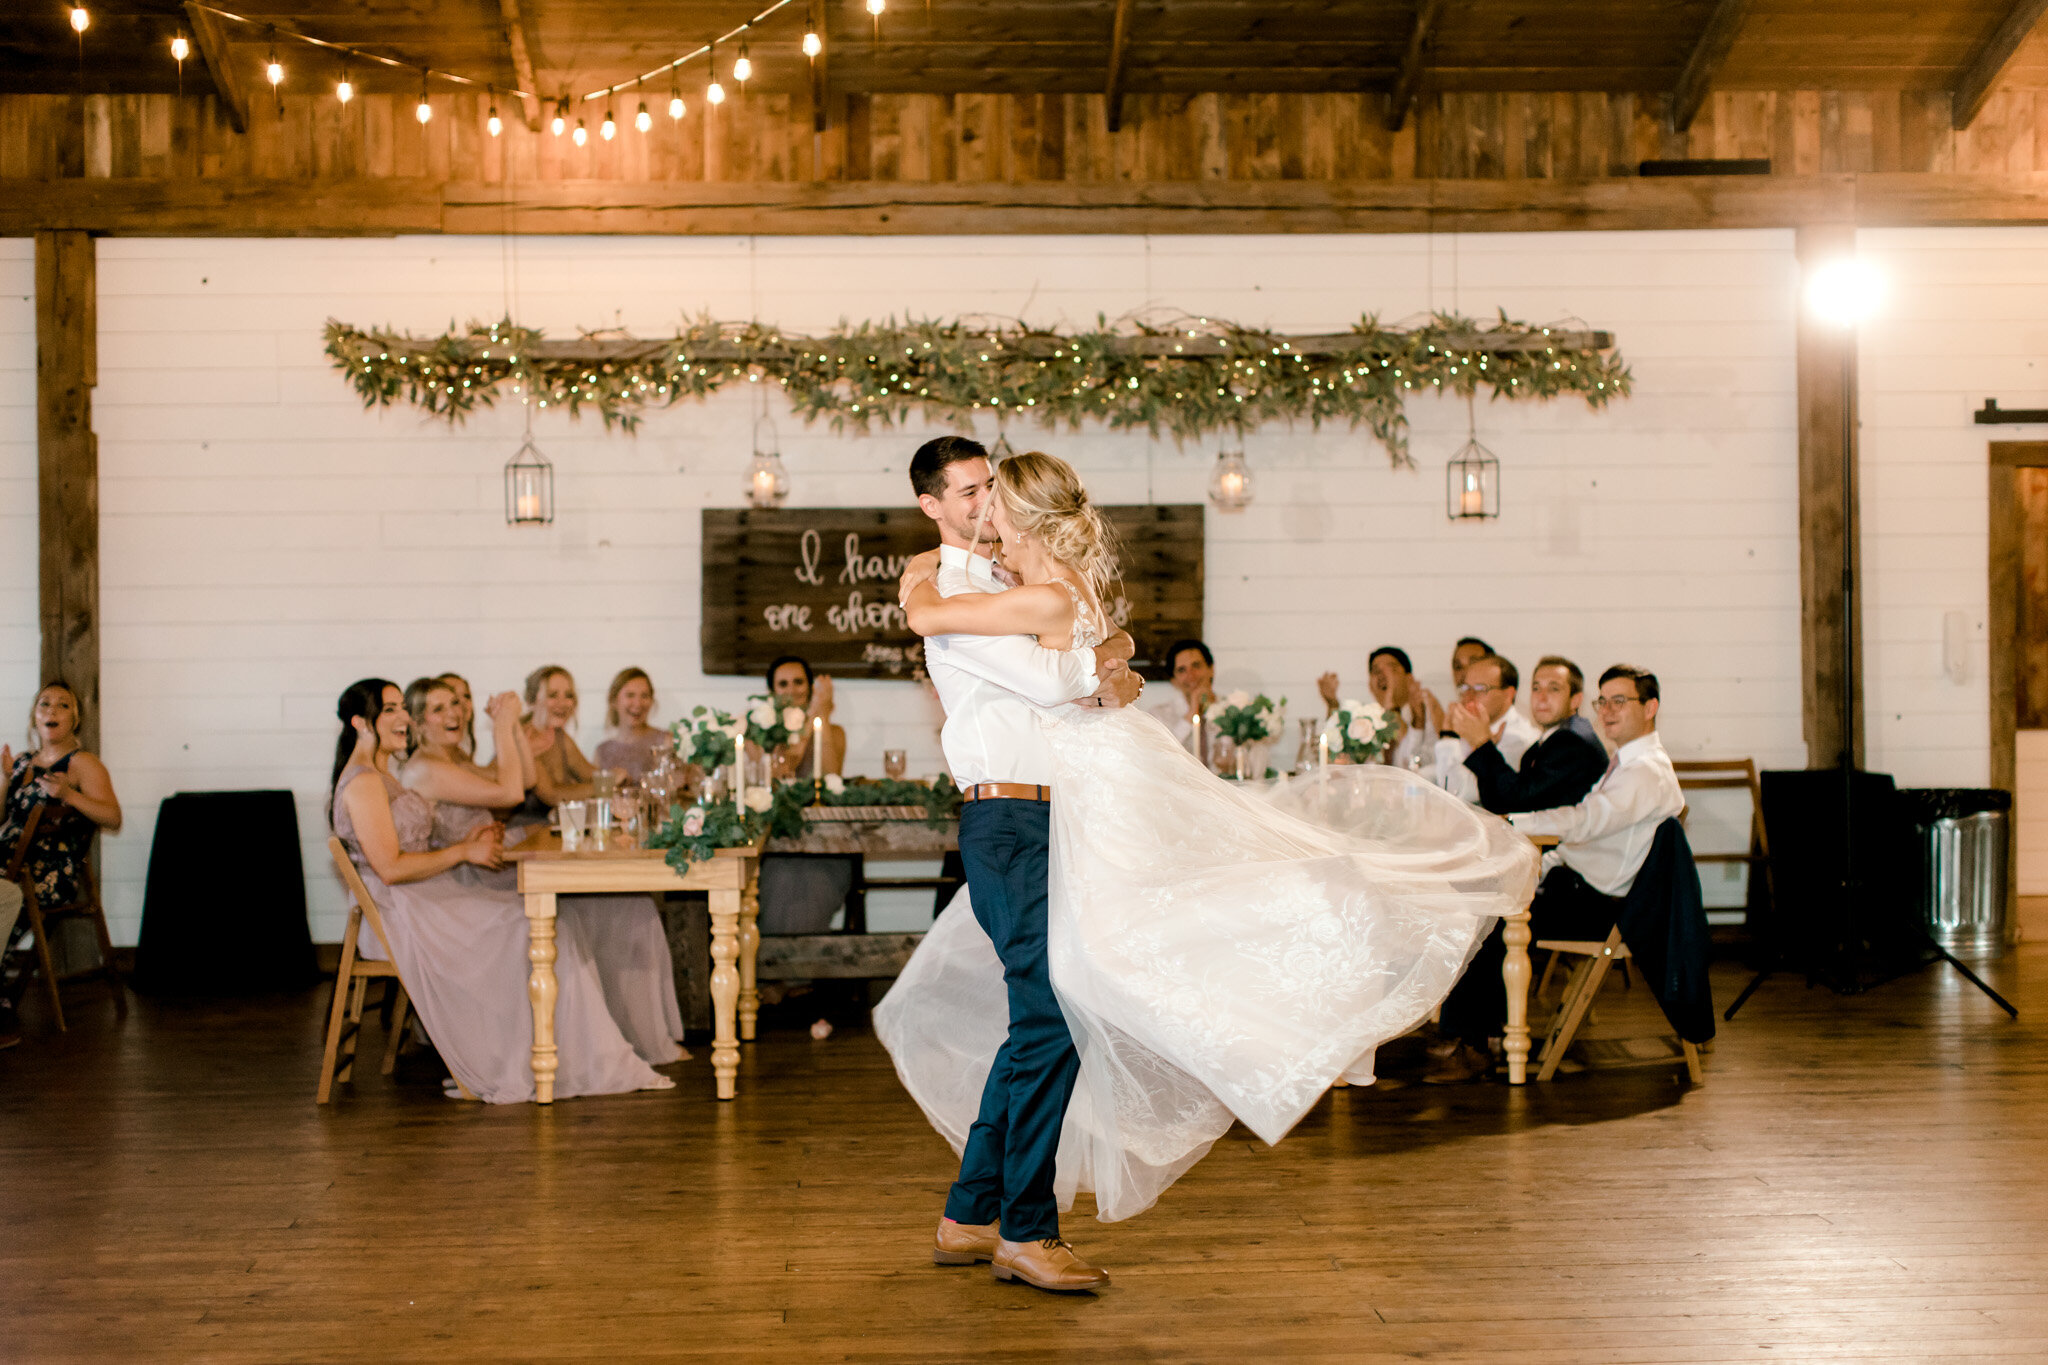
<point x="820" y="582"/>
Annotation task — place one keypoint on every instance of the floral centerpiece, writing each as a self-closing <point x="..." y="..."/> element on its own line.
<point x="769" y="727"/>
<point x="1361" y="731"/>
<point x="697" y="832"/>
<point x="710" y="739"/>
<point x="1245" y="719"/>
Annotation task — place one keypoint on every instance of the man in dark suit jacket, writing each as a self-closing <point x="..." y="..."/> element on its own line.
<point x="1558" y="769"/>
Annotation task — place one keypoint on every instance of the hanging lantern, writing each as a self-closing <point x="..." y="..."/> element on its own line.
<point x="1230" y="483"/>
<point x="1472" y="488"/>
<point x="767" y="480"/>
<point x="529" y="487"/>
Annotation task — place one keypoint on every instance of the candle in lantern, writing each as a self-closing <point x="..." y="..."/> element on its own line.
<point x="1472" y="502"/>
<point x="527" y="507"/>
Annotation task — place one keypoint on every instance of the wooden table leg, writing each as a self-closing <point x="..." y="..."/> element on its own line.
<point x="1514" y="975"/>
<point x="750" y="952"/>
<point x="541" y="990"/>
<point x="725" y="991"/>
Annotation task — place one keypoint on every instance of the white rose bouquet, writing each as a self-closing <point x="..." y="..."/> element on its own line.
<point x="1245" y="719"/>
<point x="1361" y="731"/>
<point x="770" y="727"/>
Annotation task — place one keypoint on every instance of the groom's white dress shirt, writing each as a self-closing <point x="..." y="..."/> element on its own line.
<point x="994" y="687"/>
<point x="1513" y="733"/>
<point x="1608" y="834"/>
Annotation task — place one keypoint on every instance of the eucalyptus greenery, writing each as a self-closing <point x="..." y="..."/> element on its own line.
<point x="1189" y="377"/>
<point x="693" y="833"/>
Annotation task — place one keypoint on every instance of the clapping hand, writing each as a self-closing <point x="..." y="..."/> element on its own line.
<point x="1327" y="685"/>
<point x="503" y="708"/>
<point x="1434" y="710"/>
<point x="821" y="697"/>
<point x="6" y="761"/>
<point x="54" y="785"/>
<point x="1471" y="723"/>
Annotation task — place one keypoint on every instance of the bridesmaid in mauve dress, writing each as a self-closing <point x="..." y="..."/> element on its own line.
<point x="633" y="747"/>
<point x="461" y="946"/>
<point x="623" y="935"/>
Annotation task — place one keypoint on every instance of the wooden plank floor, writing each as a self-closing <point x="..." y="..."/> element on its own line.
<point x="1860" y="1179"/>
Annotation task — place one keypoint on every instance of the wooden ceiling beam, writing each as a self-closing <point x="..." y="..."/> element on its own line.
<point x="211" y="38"/>
<point x="1119" y="39"/>
<point x="1716" y="40"/>
<point x="1413" y="62"/>
<point x="1977" y="80"/>
<point x="820" y="84"/>
<point x="514" y="20"/>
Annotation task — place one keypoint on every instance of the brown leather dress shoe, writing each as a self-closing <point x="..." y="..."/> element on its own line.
<point x="1046" y="1264"/>
<point x="964" y="1243"/>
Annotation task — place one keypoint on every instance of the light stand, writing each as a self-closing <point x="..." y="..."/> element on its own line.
<point x="1844" y="292"/>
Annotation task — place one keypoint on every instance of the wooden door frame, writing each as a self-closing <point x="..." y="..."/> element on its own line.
<point x="2002" y="619"/>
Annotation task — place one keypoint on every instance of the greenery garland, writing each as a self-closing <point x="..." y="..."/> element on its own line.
<point x="1230" y="377"/>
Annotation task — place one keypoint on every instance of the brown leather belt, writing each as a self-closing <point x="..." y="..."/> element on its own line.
<point x="1006" y="791"/>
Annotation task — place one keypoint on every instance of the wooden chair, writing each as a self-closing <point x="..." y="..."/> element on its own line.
<point x="1732" y="774"/>
<point x="352" y="978"/>
<point x="41" y="917"/>
<point x="1580" y="988"/>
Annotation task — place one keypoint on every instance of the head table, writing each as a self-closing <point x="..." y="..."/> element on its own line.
<point x="731" y="879"/>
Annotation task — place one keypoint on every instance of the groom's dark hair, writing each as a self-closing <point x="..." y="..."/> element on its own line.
<point x="928" y="466"/>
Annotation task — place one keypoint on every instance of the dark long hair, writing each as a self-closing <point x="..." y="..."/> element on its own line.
<point x="362" y="700"/>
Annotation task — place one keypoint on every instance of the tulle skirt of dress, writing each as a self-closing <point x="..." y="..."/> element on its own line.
<point x="460" y="946"/>
<point x="1220" y="952"/>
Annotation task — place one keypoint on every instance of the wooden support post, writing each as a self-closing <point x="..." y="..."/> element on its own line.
<point x="210" y="35"/>
<point x="67" y="466"/>
<point x="517" y="41"/>
<point x="1716" y="40"/>
<point x="1828" y="526"/>
<point x="1113" y="87"/>
<point x="1414" y="61"/>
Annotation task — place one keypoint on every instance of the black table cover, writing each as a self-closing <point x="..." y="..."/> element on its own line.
<point x="224" y="912"/>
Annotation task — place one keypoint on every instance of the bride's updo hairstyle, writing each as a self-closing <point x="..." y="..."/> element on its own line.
<point x="1044" y="498"/>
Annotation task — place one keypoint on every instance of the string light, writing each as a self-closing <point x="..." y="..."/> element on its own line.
<point x="273" y="69"/>
<point x="180" y="49"/>
<point x="875" y="7"/>
<point x="581" y="135"/>
<point x="344" y="89"/>
<point x="643" y="120"/>
<point x="675" y="101"/>
<point x="561" y="119"/>
<point x="744" y="66"/>
<point x="609" y="129"/>
<point x="813" y="44"/>
<point x="714" y="93"/>
<point x="493" y="123"/>
<point x="80" y="20"/>
<point x="425" y="110"/>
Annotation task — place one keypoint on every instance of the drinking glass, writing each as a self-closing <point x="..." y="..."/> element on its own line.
<point x="895" y="762"/>
<point x="600" y="825"/>
<point x="572" y="815"/>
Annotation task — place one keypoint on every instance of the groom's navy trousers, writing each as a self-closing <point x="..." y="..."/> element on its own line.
<point x="1006" y="1169"/>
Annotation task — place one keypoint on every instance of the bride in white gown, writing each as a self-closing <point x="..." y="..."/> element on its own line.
<point x="1219" y="951"/>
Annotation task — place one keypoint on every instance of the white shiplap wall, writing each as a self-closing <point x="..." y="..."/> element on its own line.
<point x="20" y="641"/>
<point x="265" y="540"/>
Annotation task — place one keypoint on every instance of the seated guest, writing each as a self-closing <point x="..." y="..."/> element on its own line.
<point x="460" y="685"/>
<point x="622" y="934"/>
<point x="1468" y="651"/>
<point x="461" y="947"/>
<point x="1603" y="841"/>
<point x="791" y="682"/>
<point x="1392" y="679"/>
<point x="1559" y="768"/>
<point x="633" y="747"/>
<point x="70" y="785"/>
<point x="1193" y="676"/>
<point x="561" y="772"/>
<point x="1486" y="704"/>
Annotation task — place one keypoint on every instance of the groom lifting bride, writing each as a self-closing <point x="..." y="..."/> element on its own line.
<point x="1144" y="953"/>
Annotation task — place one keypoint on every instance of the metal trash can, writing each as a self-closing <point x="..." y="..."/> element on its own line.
<point x="1962" y="839"/>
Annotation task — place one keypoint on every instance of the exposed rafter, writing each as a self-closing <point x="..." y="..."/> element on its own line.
<point x="211" y="38"/>
<point x="820" y="85"/>
<point x="1977" y="80"/>
<point x="1119" y="39"/>
<point x="1413" y="62"/>
<point x="1697" y="79"/>
<point x="522" y="60"/>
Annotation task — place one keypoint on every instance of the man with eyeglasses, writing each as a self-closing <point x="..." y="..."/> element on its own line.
<point x="1603" y="840"/>
<point x="1559" y="768"/>
<point x="1486" y="707"/>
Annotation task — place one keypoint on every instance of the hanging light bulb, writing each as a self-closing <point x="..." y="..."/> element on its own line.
<point x="80" y="20"/>
<point x="561" y="119"/>
<point x="180" y="49"/>
<point x="581" y="135"/>
<point x="643" y="120"/>
<point x="714" y="93"/>
<point x="1230" y="483"/>
<point x="743" y="65"/>
<point x="493" y="123"/>
<point x="675" y="101"/>
<point x="425" y="111"/>
<point x="344" y="89"/>
<point x="875" y="7"/>
<point x="273" y="69"/>
<point x="812" y="44"/>
<point x="609" y="129"/>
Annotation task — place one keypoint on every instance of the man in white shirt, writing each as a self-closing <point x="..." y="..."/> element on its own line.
<point x="1002" y="1208"/>
<point x="1486" y="692"/>
<point x="1391" y="676"/>
<point x="1602" y="843"/>
<point x="1193" y="671"/>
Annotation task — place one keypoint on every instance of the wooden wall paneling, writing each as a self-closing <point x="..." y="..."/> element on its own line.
<point x="1828" y="525"/>
<point x="2008" y="461"/>
<point x="1123" y="148"/>
<point x="1805" y="116"/>
<point x="1213" y="151"/>
<point x="1857" y="135"/>
<point x="97" y="136"/>
<point x="943" y="113"/>
<point x="1052" y="137"/>
<point x="979" y="135"/>
<point x="1594" y="139"/>
<point x="67" y="466"/>
<point x="1831" y="132"/>
<point x="1884" y="106"/>
<point x="1401" y="145"/>
<point x="1291" y="135"/>
<point x="2030" y="637"/>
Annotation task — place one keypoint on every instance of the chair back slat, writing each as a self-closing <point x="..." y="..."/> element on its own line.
<point x="19" y="856"/>
<point x="353" y="880"/>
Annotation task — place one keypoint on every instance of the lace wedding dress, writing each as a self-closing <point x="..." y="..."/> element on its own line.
<point x="1219" y="951"/>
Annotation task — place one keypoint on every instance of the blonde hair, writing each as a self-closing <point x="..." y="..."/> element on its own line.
<point x="35" y="740"/>
<point x="1045" y="498"/>
<point x="537" y="683"/>
<point x="611" y="697"/>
